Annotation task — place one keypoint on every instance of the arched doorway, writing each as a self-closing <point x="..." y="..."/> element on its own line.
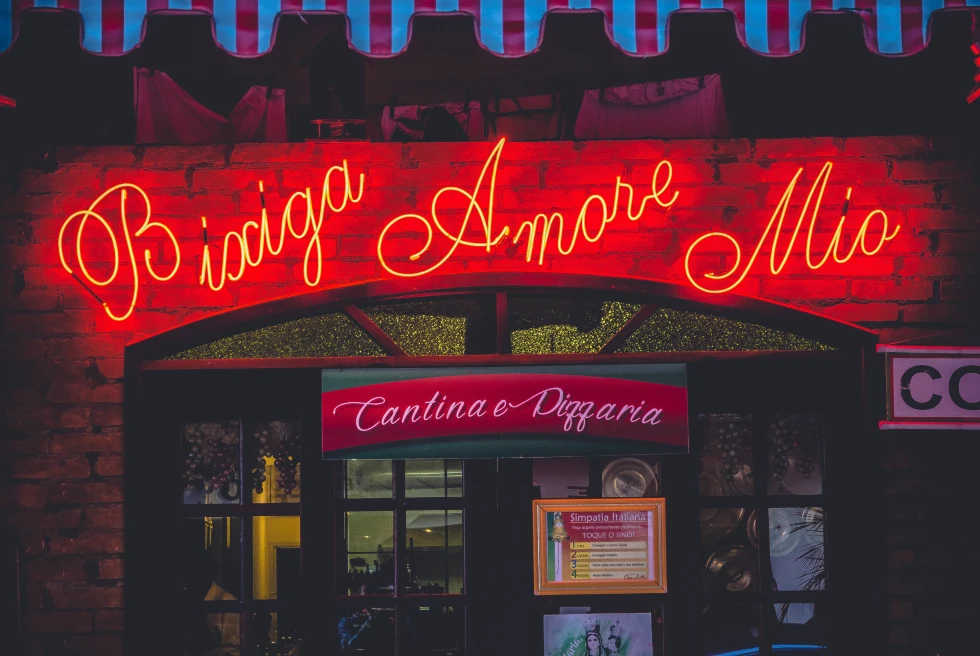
<point x="225" y="460"/>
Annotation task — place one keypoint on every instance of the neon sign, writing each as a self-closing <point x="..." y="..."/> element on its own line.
<point x="236" y="245"/>
<point x="540" y="227"/>
<point x="542" y="234"/>
<point x="778" y="217"/>
<point x="84" y="215"/>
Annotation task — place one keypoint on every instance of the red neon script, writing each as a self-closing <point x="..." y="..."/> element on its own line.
<point x="84" y="215"/>
<point x="539" y="229"/>
<point x="236" y="245"/>
<point x="728" y="280"/>
<point x="312" y="223"/>
<point x="459" y="220"/>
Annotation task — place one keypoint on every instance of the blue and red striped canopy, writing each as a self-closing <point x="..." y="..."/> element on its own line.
<point x="506" y="27"/>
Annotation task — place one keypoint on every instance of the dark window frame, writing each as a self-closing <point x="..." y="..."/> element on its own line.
<point x="850" y="363"/>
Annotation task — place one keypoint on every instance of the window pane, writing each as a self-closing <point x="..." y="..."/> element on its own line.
<point x="276" y="634"/>
<point x="720" y="523"/>
<point x="565" y="325"/>
<point x="275" y="558"/>
<point x="368" y="479"/>
<point x="669" y="330"/>
<point x="207" y="634"/>
<point x="733" y="568"/>
<point x="212" y="565"/>
<point x="726" y="456"/>
<point x="211" y="453"/>
<point x="631" y="477"/>
<point x="729" y="629"/>
<point x="365" y="629"/>
<point x="799" y="624"/>
<point x="451" y="325"/>
<point x="731" y="555"/>
<point x="327" y="335"/>
<point x="274" y="462"/>
<point x="795" y="452"/>
<point x="436" y="630"/>
<point x="433" y="478"/>
<point x="796" y="548"/>
<point x="370" y="545"/>
<point x="561" y="478"/>
<point x="434" y="551"/>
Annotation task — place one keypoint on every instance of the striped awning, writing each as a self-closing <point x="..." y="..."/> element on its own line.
<point x="506" y="27"/>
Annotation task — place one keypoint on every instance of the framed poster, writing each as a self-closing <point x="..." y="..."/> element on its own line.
<point x="599" y="634"/>
<point x="599" y="546"/>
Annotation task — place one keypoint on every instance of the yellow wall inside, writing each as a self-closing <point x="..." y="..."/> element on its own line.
<point x="268" y="534"/>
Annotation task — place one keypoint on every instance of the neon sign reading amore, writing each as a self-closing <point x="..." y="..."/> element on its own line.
<point x="540" y="234"/>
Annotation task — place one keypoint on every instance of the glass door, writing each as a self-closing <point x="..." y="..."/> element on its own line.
<point x="400" y="574"/>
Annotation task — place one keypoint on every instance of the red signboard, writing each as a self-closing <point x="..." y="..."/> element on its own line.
<point x="505" y="415"/>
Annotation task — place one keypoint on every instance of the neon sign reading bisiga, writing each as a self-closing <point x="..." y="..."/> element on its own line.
<point x="541" y="233"/>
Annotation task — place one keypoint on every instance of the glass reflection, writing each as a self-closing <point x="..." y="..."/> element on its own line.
<point x="370" y="544"/>
<point x="794" y="445"/>
<point x="368" y="479"/>
<point x="211" y="453"/>
<point x="276" y="634"/>
<point x="211" y="634"/>
<point x="275" y="558"/>
<point x="367" y="630"/>
<point x="274" y="462"/>
<point x="212" y="559"/>
<point x="434" y="551"/>
<point x="729" y="628"/>
<point x="433" y="478"/>
<point x="799" y="624"/>
<point x="726" y="456"/>
<point x="732" y="568"/>
<point x="560" y="478"/>
<point x="437" y="629"/>
<point x="796" y="548"/>
<point x="718" y="523"/>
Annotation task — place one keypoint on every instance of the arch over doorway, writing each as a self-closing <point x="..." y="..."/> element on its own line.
<point x="774" y="383"/>
<point x="501" y="286"/>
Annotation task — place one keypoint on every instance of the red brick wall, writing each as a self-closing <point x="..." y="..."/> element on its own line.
<point x="62" y="395"/>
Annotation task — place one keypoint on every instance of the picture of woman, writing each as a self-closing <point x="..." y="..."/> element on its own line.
<point x="601" y="634"/>
<point x="593" y="640"/>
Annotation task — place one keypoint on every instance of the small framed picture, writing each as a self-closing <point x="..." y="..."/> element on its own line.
<point x="599" y="546"/>
<point x="600" y="634"/>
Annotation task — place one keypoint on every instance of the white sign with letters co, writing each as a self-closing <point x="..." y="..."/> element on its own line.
<point x="933" y="388"/>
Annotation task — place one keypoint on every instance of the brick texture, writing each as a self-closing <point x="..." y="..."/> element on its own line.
<point x="61" y="400"/>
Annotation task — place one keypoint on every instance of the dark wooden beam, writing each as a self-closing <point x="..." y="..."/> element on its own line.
<point x="503" y="324"/>
<point x="486" y="360"/>
<point x="617" y="340"/>
<point x="374" y="330"/>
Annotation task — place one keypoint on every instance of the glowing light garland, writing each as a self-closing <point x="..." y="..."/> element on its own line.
<point x="255" y="238"/>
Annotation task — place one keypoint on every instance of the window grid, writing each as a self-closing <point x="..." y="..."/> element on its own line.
<point x="764" y="598"/>
<point x="246" y="512"/>
<point x="401" y="601"/>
